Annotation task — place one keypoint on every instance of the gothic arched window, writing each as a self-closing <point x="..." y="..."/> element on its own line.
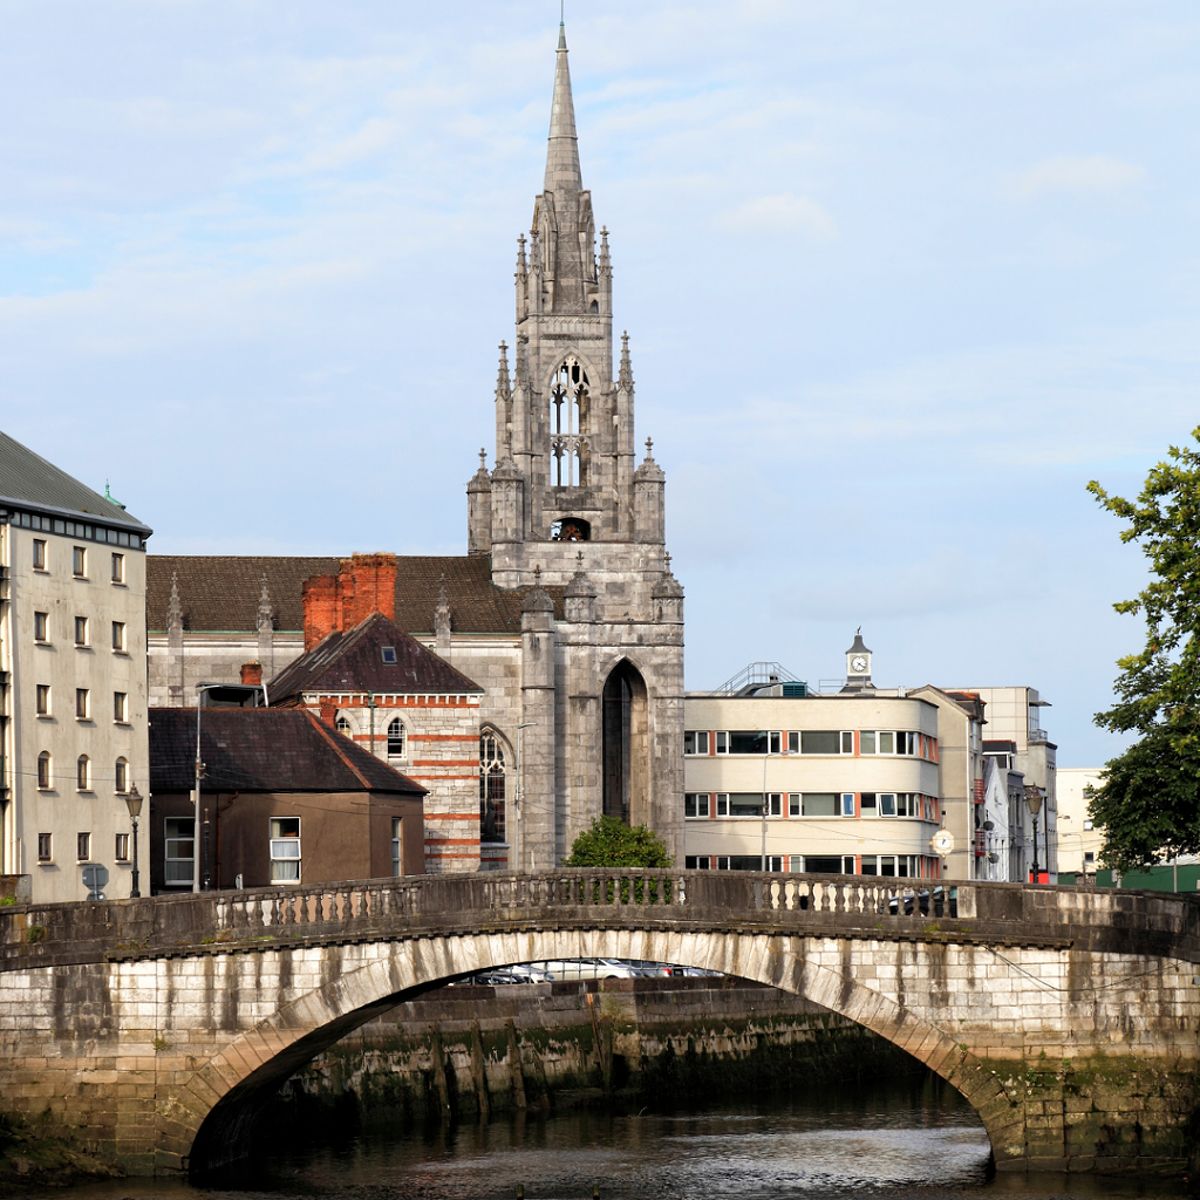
<point x="121" y="776"/>
<point x="83" y="773"/>
<point x="492" y="779"/>
<point x="396" y="739"/>
<point x="43" y="769"/>
<point x="569" y="402"/>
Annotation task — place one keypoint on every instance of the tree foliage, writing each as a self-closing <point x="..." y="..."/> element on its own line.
<point x="1149" y="801"/>
<point x="612" y="843"/>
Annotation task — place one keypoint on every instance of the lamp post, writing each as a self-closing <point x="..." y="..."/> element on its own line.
<point x="133" y="802"/>
<point x="200" y="860"/>
<point x="1033" y="799"/>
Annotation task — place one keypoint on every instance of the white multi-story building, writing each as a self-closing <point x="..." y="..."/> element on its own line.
<point x="864" y="781"/>
<point x="73" y="734"/>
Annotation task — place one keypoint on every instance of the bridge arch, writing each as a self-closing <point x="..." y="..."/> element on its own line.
<point x="212" y="1118"/>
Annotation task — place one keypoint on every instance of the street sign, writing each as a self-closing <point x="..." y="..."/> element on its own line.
<point x="95" y="877"/>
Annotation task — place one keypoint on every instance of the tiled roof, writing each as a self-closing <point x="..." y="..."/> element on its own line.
<point x="263" y="750"/>
<point x="353" y="661"/>
<point x="221" y="592"/>
<point x="27" y="478"/>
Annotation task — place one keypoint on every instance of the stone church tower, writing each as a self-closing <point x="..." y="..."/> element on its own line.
<point x="565" y="506"/>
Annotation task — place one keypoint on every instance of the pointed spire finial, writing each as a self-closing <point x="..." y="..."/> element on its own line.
<point x="174" y="607"/>
<point x="579" y="561"/>
<point x="562" y="154"/>
<point x="649" y="447"/>
<point x="482" y="459"/>
<point x="667" y="561"/>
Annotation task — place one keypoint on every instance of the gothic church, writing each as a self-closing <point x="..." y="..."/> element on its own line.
<point x="563" y="624"/>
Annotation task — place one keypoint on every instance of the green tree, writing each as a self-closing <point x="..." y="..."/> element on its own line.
<point x="1149" y="801"/>
<point x="612" y="843"/>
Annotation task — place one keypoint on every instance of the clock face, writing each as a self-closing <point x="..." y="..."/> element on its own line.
<point x="943" y="841"/>
<point x="858" y="664"/>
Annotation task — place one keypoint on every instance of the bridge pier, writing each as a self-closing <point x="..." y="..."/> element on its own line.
<point x="1070" y="1021"/>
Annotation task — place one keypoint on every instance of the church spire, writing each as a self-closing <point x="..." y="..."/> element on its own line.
<point x="563" y="175"/>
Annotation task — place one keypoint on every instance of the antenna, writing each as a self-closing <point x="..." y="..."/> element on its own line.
<point x="562" y="12"/>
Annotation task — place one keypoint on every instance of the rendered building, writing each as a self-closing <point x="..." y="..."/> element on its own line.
<point x="72" y="679"/>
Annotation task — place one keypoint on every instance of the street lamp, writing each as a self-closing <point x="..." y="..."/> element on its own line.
<point x="1033" y="798"/>
<point x="133" y="802"/>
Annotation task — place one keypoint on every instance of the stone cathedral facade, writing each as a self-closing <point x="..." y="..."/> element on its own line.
<point x="564" y="610"/>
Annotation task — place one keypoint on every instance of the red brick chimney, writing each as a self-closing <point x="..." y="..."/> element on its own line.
<point x="367" y="583"/>
<point x="328" y="712"/>
<point x="322" y="610"/>
<point x="252" y="674"/>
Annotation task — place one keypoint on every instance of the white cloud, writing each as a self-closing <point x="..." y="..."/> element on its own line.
<point x="784" y="212"/>
<point x="1077" y="174"/>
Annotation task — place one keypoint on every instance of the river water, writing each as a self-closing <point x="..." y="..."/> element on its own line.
<point x="891" y="1143"/>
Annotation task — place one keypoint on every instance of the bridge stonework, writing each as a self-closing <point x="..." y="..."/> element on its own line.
<point x="1070" y="1020"/>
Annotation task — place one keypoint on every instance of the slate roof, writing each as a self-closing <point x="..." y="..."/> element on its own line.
<point x="28" y="481"/>
<point x="263" y="750"/>
<point x="353" y="661"/>
<point x="221" y="592"/>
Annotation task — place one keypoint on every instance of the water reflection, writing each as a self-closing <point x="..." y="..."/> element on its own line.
<point x="893" y="1144"/>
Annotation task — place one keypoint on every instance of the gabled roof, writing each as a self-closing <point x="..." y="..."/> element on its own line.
<point x="263" y="750"/>
<point x="375" y="656"/>
<point x="28" y="481"/>
<point x="222" y="592"/>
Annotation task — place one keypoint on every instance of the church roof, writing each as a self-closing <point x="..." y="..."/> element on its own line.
<point x="374" y="656"/>
<point x="28" y="481"/>
<point x="222" y="592"/>
<point x="562" y="154"/>
<point x="263" y="750"/>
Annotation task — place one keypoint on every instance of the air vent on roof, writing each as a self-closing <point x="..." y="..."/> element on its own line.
<point x="388" y="653"/>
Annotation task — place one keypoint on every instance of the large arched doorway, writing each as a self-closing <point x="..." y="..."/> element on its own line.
<point x="626" y="750"/>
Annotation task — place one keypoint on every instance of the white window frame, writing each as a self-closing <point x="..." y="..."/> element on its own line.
<point x="172" y="837"/>
<point x="849" y="807"/>
<point x="121" y="848"/>
<point x="397" y="845"/>
<point x="698" y="801"/>
<point x="402" y="753"/>
<point x="699" y="740"/>
<point x="280" y="852"/>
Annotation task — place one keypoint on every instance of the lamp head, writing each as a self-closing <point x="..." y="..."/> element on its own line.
<point x="133" y="802"/>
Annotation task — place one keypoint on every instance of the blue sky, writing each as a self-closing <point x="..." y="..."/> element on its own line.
<point x="900" y="278"/>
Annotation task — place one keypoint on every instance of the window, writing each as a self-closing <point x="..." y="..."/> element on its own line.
<point x="342" y="725"/>
<point x="179" y="851"/>
<point x="83" y="846"/>
<point x="83" y="703"/>
<point x="887" y="804"/>
<point x="819" y="804"/>
<point x="118" y="568"/>
<point x="81" y="631"/>
<point x="285" y="849"/>
<point x="889" y="864"/>
<point x="120" y="707"/>
<point x="83" y="773"/>
<point x="43" y="770"/>
<point x="867" y="804"/>
<point x="118" y="635"/>
<point x="43" y="699"/>
<point x="695" y="741"/>
<point x="45" y="847"/>
<point x="825" y="741"/>
<point x="695" y="804"/>
<point x="121" y="776"/>
<point x="79" y="562"/>
<point x="748" y="862"/>
<point x="847" y="804"/>
<point x="397" y="846"/>
<point x="1089" y="859"/>
<point x="41" y="627"/>
<point x="395" y="739"/>
<point x="829" y="864"/>
<point x="748" y="741"/>
<point x="568" y="411"/>
<point x="794" y="803"/>
<point x="121" y="851"/>
<point x="907" y="743"/>
<point x="722" y="742"/>
<point x="387" y="653"/>
<point x="740" y="804"/>
<point x="39" y="554"/>
<point x="492" y="783"/>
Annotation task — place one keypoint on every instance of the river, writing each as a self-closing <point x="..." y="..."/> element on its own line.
<point x="889" y="1143"/>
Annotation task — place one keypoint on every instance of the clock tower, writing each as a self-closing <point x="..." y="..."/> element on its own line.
<point x="858" y="665"/>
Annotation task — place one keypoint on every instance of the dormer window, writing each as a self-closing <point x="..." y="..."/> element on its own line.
<point x="387" y="653"/>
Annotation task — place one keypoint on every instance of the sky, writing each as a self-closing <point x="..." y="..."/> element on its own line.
<point x="900" y="277"/>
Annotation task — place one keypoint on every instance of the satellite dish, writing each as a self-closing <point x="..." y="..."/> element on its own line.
<point x="989" y="825"/>
<point x="95" y="877"/>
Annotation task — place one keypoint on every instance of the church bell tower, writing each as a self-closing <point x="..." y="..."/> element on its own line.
<point x="565" y="457"/>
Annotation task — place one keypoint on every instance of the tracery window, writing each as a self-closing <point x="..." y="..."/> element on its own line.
<point x="569" y="402"/>
<point x="492" y="780"/>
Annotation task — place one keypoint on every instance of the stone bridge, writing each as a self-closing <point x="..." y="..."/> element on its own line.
<point x="1070" y="1020"/>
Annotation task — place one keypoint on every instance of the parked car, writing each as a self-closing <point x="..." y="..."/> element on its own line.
<point x="656" y="969"/>
<point x="500" y="976"/>
<point x="587" y="968"/>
